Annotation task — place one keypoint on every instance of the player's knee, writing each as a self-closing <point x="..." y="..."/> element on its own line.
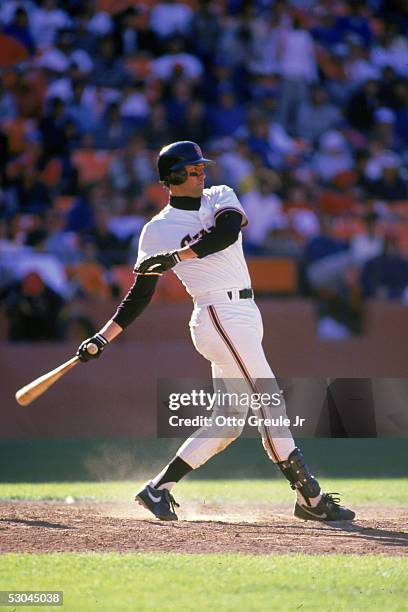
<point x="232" y="432"/>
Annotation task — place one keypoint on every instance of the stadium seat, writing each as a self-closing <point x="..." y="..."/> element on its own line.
<point x="170" y="290"/>
<point x="92" y="165"/>
<point x="17" y="130"/>
<point x="139" y="66"/>
<point x="273" y="275"/>
<point x="123" y="277"/>
<point x="155" y="194"/>
<point x="89" y="276"/>
<point x="12" y="51"/>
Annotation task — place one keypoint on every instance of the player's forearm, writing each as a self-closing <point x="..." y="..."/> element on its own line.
<point x="110" y="330"/>
<point x="134" y="303"/>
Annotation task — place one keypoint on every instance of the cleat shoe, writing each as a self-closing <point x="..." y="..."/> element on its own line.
<point x="160" y="502"/>
<point x="328" y="509"/>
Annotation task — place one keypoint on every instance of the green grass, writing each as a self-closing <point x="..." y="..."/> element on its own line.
<point x="220" y="582"/>
<point x="354" y="491"/>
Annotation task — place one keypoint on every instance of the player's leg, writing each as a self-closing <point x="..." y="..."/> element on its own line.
<point x="242" y="338"/>
<point x="194" y="452"/>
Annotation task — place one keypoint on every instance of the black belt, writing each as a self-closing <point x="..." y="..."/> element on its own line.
<point x="244" y="294"/>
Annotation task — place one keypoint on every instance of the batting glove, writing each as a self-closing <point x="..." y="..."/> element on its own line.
<point x="92" y="347"/>
<point x="157" y="264"/>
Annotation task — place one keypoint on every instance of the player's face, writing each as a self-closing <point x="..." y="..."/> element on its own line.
<point x="194" y="184"/>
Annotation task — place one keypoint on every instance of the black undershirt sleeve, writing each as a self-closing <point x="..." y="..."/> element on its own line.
<point x="136" y="300"/>
<point x="225" y="233"/>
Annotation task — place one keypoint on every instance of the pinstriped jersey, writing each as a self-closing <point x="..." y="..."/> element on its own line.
<point x="173" y="228"/>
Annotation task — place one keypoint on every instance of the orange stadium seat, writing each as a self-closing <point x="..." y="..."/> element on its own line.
<point x="51" y="174"/>
<point x="403" y="238"/>
<point x="92" y="165"/>
<point x="273" y="275"/>
<point x="90" y="278"/>
<point x="123" y="277"/>
<point x="12" y="51"/>
<point x="335" y="203"/>
<point x="139" y="66"/>
<point x="16" y="130"/>
<point x="156" y="195"/>
<point x="170" y="290"/>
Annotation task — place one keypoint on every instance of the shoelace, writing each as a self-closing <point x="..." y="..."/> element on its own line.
<point x="331" y="499"/>
<point x="170" y="500"/>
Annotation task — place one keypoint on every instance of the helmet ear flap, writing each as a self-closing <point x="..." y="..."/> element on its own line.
<point x="177" y="178"/>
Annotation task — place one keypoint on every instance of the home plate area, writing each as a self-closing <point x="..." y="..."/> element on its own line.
<point x="202" y="528"/>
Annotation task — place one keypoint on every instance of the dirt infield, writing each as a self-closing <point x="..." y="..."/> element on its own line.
<point x="59" y="527"/>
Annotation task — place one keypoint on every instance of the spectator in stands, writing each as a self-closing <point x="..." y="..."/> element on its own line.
<point x="264" y="210"/>
<point x="298" y="69"/>
<point x="32" y="194"/>
<point x="205" y="32"/>
<point x="131" y="170"/>
<point x="401" y="113"/>
<point x="20" y="29"/>
<point x="391" y="50"/>
<point x="170" y="18"/>
<point x="333" y="156"/>
<point x="177" y="62"/>
<point x="125" y="32"/>
<point x="47" y="19"/>
<point x="385" y="276"/>
<point x="226" y="117"/>
<point x="316" y="116"/>
<point x="236" y="163"/>
<point x="33" y="310"/>
<point x="326" y="259"/>
<point x="157" y="129"/>
<point x="367" y="244"/>
<point x="8" y="108"/>
<point x="109" y="70"/>
<point x="60" y="243"/>
<point x="384" y="127"/>
<point x="362" y="106"/>
<point x="355" y="22"/>
<point x="391" y="186"/>
<point x="80" y="110"/>
<point x="112" y="131"/>
<point x="134" y="107"/>
<point x="52" y="129"/>
<point x="266" y="34"/>
<point x="110" y="250"/>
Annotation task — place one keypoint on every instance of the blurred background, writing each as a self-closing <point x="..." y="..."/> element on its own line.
<point x="304" y="106"/>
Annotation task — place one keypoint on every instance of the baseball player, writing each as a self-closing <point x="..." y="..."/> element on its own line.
<point x="198" y="235"/>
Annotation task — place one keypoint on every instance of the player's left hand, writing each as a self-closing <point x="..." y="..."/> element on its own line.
<point x="92" y="348"/>
<point x="157" y="264"/>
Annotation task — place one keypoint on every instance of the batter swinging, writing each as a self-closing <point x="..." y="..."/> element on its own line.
<point x="198" y="234"/>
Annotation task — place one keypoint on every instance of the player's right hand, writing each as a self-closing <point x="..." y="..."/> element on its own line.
<point x="92" y="347"/>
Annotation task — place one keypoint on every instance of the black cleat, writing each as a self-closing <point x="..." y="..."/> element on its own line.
<point x="160" y="502"/>
<point x="328" y="509"/>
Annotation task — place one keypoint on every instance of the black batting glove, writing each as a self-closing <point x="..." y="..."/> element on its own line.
<point x="157" y="264"/>
<point x="91" y="348"/>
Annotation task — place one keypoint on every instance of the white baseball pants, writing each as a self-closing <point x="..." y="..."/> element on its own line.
<point x="228" y="332"/>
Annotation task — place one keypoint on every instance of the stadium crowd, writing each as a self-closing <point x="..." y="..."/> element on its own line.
<point x="303" y="103"/>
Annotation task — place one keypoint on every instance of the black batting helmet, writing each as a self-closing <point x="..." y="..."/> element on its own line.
<point x="174" y="157"/>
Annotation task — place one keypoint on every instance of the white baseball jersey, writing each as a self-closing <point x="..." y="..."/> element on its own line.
<point x="174" y="228"/>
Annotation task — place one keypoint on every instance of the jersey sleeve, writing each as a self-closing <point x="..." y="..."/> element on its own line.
<point x="149" y="245"/>
<point x="226" y="199"/>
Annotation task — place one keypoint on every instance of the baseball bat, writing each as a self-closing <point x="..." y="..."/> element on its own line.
<point x="37" y="387"/>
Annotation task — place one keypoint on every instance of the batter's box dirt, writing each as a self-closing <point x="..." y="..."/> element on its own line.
<point x="57" y="527"/>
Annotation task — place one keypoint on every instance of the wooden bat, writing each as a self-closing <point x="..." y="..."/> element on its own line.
<point x="37" y="387"/>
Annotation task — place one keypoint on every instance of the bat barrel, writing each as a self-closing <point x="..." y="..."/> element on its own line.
<point x="37" y="387"/>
